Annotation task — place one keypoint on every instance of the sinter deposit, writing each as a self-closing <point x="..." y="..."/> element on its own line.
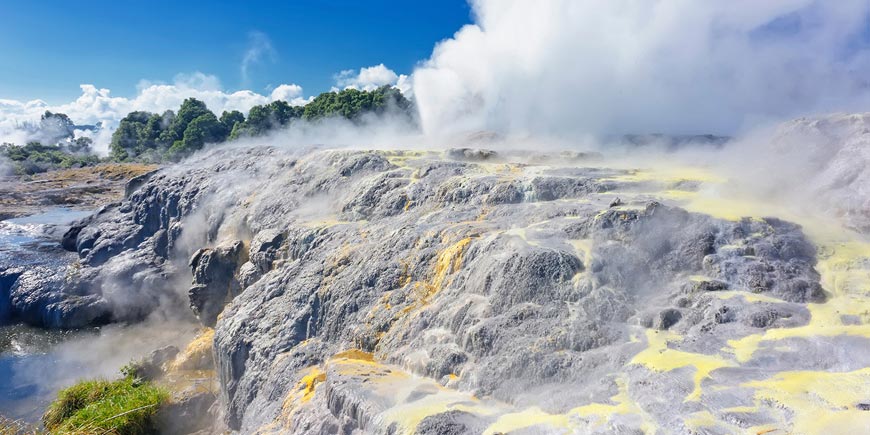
<point x="469" y="291"/>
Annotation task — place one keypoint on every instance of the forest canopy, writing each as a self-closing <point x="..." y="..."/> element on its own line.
<point x="157" y="137"/>
<point x="153" y="137"/>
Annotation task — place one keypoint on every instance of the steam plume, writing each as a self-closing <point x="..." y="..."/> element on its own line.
<point x="678" y="66"/>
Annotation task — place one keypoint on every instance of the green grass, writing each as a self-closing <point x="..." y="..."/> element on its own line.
<point x="99" y="407"/>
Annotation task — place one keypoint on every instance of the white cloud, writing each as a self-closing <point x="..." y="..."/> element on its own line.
<point x="405" y="84"/>
<point x="291" y="94"/>
<point x="98" y="105"/>
<point x="259" y="48"/>
<point x="567" y="67"/>
<point x="368" y="78"/>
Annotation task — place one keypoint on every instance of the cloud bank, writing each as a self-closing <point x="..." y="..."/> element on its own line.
<point x="563" y="67"/>
<point x="98" y="105"/>
<point x="371" y="78"/>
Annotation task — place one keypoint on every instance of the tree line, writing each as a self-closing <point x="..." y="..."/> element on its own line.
<point x="169" y="136"/>
<point x="155" y="137"/>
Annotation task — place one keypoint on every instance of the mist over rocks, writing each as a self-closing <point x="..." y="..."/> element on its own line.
<point x="485" y="278"/>
<point x="570" y="216"/>
<point x="398" y="291"/>
<point x="818" y="159"/>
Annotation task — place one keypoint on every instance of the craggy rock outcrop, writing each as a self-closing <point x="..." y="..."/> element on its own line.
<point x="214" y="279"/>
<point x="44" y="296"/>
<point x="403" y="292"/>
<point x="7" y="279"/>
<point x="40" y="282"/>
<point x="188" y="376"/>
<point x="136" y="182"/>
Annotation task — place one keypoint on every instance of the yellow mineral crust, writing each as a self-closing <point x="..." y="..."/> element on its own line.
<point x="816" y="402"/>
<point x="386" y="384"/>
<point x="668" y="174"/>
<point x="845" y="275"/>
<point x="449" y="262"/>
<point x="821" y="402"/>
<point x="659" y="357"/>
<point x="587" y="417"/>
<point x="799" y="402"/>
<point x="805" y="402"/>
<point x="355" y="354"/>
<point x="303" y="391"/>
<point x="197" y="353"/>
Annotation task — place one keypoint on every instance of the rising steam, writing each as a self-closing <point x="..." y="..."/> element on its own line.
<point x="580" y="66"/>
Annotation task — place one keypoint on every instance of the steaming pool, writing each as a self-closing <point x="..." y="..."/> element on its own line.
<point x="29" y="375"/>
<point x="35" y="363"/>
<point x="31" y="371"/>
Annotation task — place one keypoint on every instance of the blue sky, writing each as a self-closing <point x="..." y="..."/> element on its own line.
<point x="48" y="48"/>
<point x="556" y="67"/>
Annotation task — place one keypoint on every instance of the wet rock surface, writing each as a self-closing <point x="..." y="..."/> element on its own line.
<point x="37" y="276"/>
<point x="476" y="294"/>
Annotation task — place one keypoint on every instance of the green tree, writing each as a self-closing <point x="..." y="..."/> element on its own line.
<point x="352" y="104"/>
<point x="166" y="136"/>
<point x="282" y="112"/>
<point x="56" y="126"/>
<point x="144" y="136"/>
<point x="127" y="138"/>
<point x="190" y="109"/>
<point x="204" y="129"/>
<point x="259" y="120"/>
<point x="230" y="119"/>
<point x="262" y="119"/>
<point x="238" y="131"/>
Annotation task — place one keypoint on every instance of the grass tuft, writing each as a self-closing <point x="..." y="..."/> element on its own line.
<point x="100" y="407"/>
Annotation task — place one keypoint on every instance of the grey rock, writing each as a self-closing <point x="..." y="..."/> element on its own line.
<point x="136" y="182"/>
<point x="451" y="423"/>
<point x="69" y="239"/>
<point x="187" y="413"/>
<point x="667" y="318"/>
<point x="214" y="279"/>
<point x="552" y="188"/>
<point x="471" y="154"/>
<point x="766" y="318"/>
<point x="8" y="277"/>
<point x="42" y="297"/>
<point x="152" y="366"/>
<point x="522" y="287"/>
<point x="248" y="274"/>
<point x="264" y="249"/>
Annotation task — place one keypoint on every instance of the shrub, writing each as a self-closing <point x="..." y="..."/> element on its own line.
<point x="35" y="158"/>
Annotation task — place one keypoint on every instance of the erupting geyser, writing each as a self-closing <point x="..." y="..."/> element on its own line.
<point x="573" y="217"/>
